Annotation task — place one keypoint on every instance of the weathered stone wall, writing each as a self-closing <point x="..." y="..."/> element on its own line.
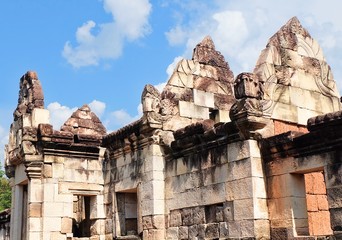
<point x="211" y="194"/>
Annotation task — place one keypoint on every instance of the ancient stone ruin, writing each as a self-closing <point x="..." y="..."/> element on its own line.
<point x="257" y="156"/>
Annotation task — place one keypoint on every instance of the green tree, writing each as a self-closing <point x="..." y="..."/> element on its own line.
<point x="5" y="191"/>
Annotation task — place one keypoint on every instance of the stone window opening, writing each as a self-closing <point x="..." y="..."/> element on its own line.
<point x="81" y="222"/>
<point x="127" y="215"/>
<point x="213" y="114"/>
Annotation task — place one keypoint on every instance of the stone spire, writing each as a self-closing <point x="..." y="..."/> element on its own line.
<point x="30" y="94"/>
<point x="84" y="121"/>
<point x="206" y="53"/>
<point x="296" y="76"/>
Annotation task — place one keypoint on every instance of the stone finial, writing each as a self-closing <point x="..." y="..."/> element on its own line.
<point x="30" y="94"/>
<point x="247" y="85"/>
<point x="84" y="121"/>
<point x="151" y="104"/>
<point x="206" y="53"/>
<point x="246" y="112"/>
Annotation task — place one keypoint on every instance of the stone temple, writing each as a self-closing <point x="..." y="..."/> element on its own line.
<point x="256" y="156"/>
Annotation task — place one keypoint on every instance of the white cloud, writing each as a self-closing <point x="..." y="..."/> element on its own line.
<point x="120" y="118"/>
<point x="130" y="22"/>
<point x="241" y="29"/>
<point x="59" y="114"/>
<point x="97" y="107"/>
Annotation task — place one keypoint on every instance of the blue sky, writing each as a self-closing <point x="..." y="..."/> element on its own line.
<point x="103" y="52"/>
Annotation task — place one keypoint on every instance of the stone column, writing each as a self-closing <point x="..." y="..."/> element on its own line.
<point x="246" y="191"/>
<point x="152" y="195"/>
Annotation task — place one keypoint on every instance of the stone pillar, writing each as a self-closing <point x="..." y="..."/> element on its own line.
<point x="246" y="190"/>
<point x="152" y="195"/>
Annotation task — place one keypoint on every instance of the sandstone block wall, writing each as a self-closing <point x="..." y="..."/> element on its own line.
<point x="212" y="194"/>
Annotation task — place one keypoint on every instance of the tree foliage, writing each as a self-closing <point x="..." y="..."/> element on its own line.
<point x="5" y="191"/>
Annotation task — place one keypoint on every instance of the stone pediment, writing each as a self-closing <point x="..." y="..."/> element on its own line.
<point x="298" y="82"/>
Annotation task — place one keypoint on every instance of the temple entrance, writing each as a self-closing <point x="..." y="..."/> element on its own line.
<point x="127" y="213"/>
<point x="81" y="219"/>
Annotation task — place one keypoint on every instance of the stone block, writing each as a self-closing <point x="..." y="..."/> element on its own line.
<point x="40" y="115"/>
<point x="51" y="224"/>
<point x="34" y="224"/>
<point x="57" y="236"/>
<point x="238" y="150"/>
<point x="234" y="229"/>
<point x="177" y="122"/>
<point x="36" y="192"/>
<point x="319" y="223"/>
<point x="247" y="228"/>
<point x="172" y="233"/>
<point x="154" y="163"/>
<point x="304" y="80"/>
<point x="35" y="210"/>
<point x="262" y="229"/>
<point x="183" y="232"/>
<point x="260" y="208"/>
<point x="198" y="214"/>
<point x="190" y="110"/>
<point x="193" y="231"/>
<point x="175" y="218"/>
<point x="333" y="175"/>
<point x="206" y="84"/>
<point x="158" y="221"/>
<point x="201" y="230"/>
<point x="204" y="99"/>
<point x="147" y="222"/>
<point x="239" y="169"/>
<point x="187" y="217"/>
<point x="303" y="42"/>
<point x="287" y="185"/>
<point x="334" y="197"/>
<point x="305" y="114"/>
<point x="53" y="209"/>
<point x="47" y="171"/>
<point x="216" y="192"/>
<point x="228" y="211"/>
<point x="336" y="218"/>
<point x="66" y="225"/>
<point x="233" y="189"/>
<point x="259" y="187"/>
<point x="223" y="229"/>
<point x="243" y="209"/>
<point x="269" y="55"/>
<point x="311" y="201"/>
<point x="212" y="230"/>
<point x="285" y="112"/>
<point x="181" y="79"/>
<point x="222" y="116"/>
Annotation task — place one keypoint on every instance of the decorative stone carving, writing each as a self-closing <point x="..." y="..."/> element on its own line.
<point x="151" y="104"/>
<point x="248" y="92"/>
<point x="247" y="111"/>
